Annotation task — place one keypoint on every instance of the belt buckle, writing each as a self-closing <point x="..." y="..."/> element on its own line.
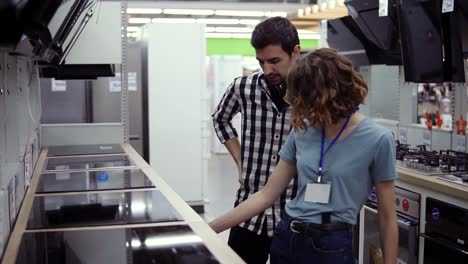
<point x="291" y="226"/>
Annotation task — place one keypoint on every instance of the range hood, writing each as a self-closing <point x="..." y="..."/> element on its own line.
<point x="46" y="30"/>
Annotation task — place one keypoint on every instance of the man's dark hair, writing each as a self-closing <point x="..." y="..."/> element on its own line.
<point x="275" y="31"/>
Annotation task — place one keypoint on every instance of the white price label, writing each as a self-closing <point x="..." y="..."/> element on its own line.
<point x="132" y="81"/>
<point x="461" y="143"/>
<point x="59" y="85"/>
<point x="427" y="139"/>
<point x="447" y="6"/>
<point x="403" y="137"/>
<point x="383" y="8"/>
<point x="115" y="83"/>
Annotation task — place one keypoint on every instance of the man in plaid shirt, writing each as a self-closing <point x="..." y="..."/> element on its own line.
<point x="265" y="127"/>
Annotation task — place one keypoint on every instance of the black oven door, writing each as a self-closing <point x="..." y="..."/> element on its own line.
<point x="439" y="250"/>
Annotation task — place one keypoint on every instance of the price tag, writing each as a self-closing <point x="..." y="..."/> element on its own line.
<point x="427" y="139"/>
<point x="115" y="83"/>
<point x="132" y="81"/>
<point x="461" y="143"/>
<point x="447" y="6"/>
<point x="59" y="85"/>
<point x="383" y="8"/>
<point x="403" y="137"/>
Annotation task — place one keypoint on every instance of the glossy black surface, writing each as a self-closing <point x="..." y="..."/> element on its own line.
<point x="85" y="150"/>
<point x="88" y="162"/>
<point x="162" y="245"/>
<point x="93" y="180"/>
<point x="114" y="208"/>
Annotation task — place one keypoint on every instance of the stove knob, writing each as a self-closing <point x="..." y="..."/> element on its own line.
<point x="397" y="202"/>
<point x="405" y="205"/>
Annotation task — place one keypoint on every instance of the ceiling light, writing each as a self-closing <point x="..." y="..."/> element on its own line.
<point x="144" y="10"/>
<point x="239" y="13"/>
<point x="274" y="14"/>
<point x="210" y="29"/>
<point x="139" y="20"/>
<point x="195" y="12"/>
<point x="309" y="36"/>
<point x="241" y="35"/>
<point x="300" y="12"/>
<point x="234" y="29"/>
<point x="228" y="35"/>
<point x="323" y="6"/>
<point x="218" y="21"/>
<point x="315" y="9"/>
<point x="249" y="21"/>
<point x="218" y="35"/>
<point x="174" y="20"/>
<point x="133" y="29"/>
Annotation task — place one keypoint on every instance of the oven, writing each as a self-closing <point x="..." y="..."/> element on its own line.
<point x="408" y="206"/>
<point x="446" y="233"/>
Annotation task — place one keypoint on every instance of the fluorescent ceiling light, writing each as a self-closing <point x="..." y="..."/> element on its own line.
<point x="144" y="10"/>
<point x="165" y="241"/>
<point x="196" y="12"/>
<point x="218" y="21"/>
<point x="274" y="14"/>
<point x="303" y="31"/>
<point x="239" y="13"/>
<point x="309" y="36"/>
<point x="139" y="20"/>
<point x="174" y="20"/>
<point x="233" y="29"/>
<point x="228" y="35"/>
<point x="249" y="21"/>
<point x="210" y="29"/>
<point x="133" y="29"/>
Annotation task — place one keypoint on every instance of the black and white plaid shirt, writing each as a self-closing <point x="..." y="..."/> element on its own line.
<point x="264" y="130"/>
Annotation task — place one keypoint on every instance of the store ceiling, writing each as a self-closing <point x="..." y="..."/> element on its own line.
<point x="237" y="17"/>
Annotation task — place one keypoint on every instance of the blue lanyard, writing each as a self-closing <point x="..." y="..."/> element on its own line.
<point x="323" y="153"/>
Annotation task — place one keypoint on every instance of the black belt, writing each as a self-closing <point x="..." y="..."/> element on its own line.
<point x="315" y="229"/>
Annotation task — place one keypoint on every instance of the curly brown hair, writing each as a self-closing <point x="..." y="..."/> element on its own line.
<point x="323" y="87"/>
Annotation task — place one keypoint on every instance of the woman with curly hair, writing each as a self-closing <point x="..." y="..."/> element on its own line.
<point x="339" y="155"/>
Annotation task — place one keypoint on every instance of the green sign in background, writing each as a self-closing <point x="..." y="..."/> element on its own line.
<point x="233" y="46"/>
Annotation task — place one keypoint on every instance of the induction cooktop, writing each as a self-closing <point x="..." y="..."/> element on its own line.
<point x="88" y="162"/>
<point x="176" y="244"/>
<point x="101" y="209"/>
<point x="78" y="150"/>
<point x="81" y="181"/>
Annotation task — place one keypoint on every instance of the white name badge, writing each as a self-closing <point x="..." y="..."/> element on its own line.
<point x="318" y="193"/>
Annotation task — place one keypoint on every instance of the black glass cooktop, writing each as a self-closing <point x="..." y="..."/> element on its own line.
<point x="80" y="181"/>
<point x="85" y="150"/>
<point x="99" y="209"/>
<point x="88" y="162"/>
<point x="163" y="245"/>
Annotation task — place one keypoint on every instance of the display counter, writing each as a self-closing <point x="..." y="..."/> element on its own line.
<point x="117" y="212"/>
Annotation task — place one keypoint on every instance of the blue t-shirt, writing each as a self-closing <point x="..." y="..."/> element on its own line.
<point x="352" y="166"/>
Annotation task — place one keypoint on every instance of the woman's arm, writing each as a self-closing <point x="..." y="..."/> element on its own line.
<point x="388" y="225"/>
<point x="260" y="201"/>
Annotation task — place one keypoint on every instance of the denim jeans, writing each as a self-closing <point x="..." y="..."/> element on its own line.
<point x="329" y="248"/>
